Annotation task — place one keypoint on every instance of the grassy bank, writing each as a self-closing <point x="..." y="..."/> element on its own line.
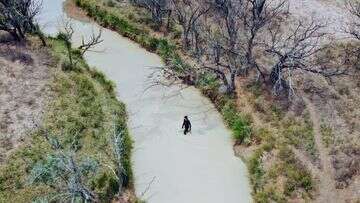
<point x="280" y="177"/>
<point x="83" y="115"/>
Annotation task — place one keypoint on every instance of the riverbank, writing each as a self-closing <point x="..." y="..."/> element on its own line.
<point x="167" y="47"/>
<point x="189" y="168"/>
<point x="275" y="172"/>
<point x="82" y="114"/>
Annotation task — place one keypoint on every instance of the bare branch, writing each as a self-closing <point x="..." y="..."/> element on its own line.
<point x="93" y="41"/>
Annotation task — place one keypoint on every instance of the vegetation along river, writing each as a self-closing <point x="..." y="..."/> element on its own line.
<point x="168" y="166"/>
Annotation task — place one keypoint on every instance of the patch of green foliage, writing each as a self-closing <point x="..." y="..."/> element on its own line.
<point x="239" y="124"/>
<point x="208" y="82"/>
<point x="256" y="170"/>
<point x="297" y="176"/>
<point x="301" y="135"/>
<point x="82" y="114"/>
<point x="260" y="178"/>
<point x="327" y="135"/>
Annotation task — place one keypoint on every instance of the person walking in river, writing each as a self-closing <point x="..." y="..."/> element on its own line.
<point x="186" y="125"/>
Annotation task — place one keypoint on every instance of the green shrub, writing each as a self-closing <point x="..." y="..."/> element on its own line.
<point x="238" y="123"/>
<point x="153" y="44"/>
<point x="327" y="135"/>
<point x="256" y="171"/>
<point x="208" y="81"/>
<point x="297" y="177"/>
<point x="301" y="135"/>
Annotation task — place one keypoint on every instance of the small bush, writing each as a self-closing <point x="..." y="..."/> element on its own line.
<point x="256" y="171"/>
<point x="297" y="176"/>
<point x="208" y="82"/>
<point x="327" y="135"/>
<point x="240" y="124"/>
<point x="297" y="179"/>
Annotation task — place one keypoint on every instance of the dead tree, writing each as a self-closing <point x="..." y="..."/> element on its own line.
<point x="224" y="56"/>
<point x="157" y="8"/>
<point x="294" y="53"/>
<point x="93" y="41"/>
<point x="258" y="14"/>
<point x="118" y="150"/>
<point x="66" y="173"/>
<point x="67" y="34"/>
<point x="17" y="17"/>
<point x="187" y="13"/>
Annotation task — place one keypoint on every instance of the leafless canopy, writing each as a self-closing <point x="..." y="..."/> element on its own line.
<point x="295" y="52"/>
<point x="229" y="38"/>
<point x="157" y="8"/>
<point x="17" y="17"/>
<point x="94" y="40"/>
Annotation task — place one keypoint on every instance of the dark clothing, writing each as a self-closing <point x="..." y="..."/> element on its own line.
<point x="187" y="126"/>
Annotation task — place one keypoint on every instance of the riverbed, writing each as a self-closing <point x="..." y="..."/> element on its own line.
<point x="168" y="166"/>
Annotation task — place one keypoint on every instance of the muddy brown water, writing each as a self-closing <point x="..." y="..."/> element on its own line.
<point x="168" y="166"/>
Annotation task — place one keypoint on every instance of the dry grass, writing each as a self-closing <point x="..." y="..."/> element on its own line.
<point x="281" y="128"/>
<point x="24" y="91"/>
<point x="81" y="114"/>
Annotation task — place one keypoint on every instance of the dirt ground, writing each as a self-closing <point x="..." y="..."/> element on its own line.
<point x="330" y="12"/>
<point x="337" y="175"/>
<point x="24" y="91"/>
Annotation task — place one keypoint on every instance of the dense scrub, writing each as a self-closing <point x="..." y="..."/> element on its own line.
<point x="82" y="116"/>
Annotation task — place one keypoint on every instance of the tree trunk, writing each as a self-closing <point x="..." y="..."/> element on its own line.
<point x="186" y="40"/>
<point x="14" y="34"/>
<point x="168" y="21"/>
<point x="231" y="89"/>
<point x="276" y="79"/>
<point x="275" y="74"/>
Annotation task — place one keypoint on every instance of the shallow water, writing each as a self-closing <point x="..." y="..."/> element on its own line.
<point x="168" y="166"/>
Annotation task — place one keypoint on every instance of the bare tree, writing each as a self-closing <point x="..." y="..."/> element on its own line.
<point x="94" y="40"/>
<point x="67" y="34"/>
<point x="223" y="54"/>
<point x="157" y="8"/>
<point x="259" y="14"/>
<point x="117" y="146"/>
<point x="17" y="17"/>
<point x="187" y="14"/>
<point x="294" y="53"/>
<point x="66" y="173"/>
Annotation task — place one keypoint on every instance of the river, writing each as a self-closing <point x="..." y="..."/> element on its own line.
<point x="168" y="166"/>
